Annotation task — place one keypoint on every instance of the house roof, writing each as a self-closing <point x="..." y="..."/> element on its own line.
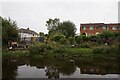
<point x="28" y="31"/>
<point x="100" y="24"/>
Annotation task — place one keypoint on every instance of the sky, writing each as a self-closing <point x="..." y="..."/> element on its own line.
<point x="34" y="15"/>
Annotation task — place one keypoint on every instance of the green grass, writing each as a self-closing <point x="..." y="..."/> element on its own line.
<point x="80" y="50"/>
<point x="18" y="53"/>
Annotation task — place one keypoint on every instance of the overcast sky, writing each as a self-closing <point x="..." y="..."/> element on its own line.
<point x="35" y="14"/>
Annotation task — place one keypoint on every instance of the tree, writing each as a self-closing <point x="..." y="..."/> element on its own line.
<point x="9" y="31"/>
<point x="41" y="34"/>
<point x="68" y="28"/>
<point x="52" y="24"/>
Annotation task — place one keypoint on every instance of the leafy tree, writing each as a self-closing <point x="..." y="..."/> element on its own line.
<point x="52" y="24"/>
<point x="68" y="28"/>
<point x="41" y="34"/>
<point x="9" y="31"/>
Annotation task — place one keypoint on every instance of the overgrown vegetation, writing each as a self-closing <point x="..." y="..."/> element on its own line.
<point x="9" y="31"/>
<point x="62" y="41"/>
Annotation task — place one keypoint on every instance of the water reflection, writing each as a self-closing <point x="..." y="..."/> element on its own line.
<point x="57" y="67"/>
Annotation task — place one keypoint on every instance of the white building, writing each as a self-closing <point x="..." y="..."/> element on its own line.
<point x="27" y="34"/>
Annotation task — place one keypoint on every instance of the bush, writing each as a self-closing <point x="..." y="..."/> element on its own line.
<point x="57" y="37"/>
<point x="86" y="45"/>
<point x="60" y="49"/>
<point x="71" y="40"/>
<point x="106" y="52"/>
<point x="64" y="41"/>
<point x="36" y="49"/>
<point x="78" y="39"/>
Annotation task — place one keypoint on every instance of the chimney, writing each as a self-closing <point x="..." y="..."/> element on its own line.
<point x="27" y="28"/>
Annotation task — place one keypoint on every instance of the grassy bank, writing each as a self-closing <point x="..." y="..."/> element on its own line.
<point x="66" y="52"/>
<point x="15" y="54"/>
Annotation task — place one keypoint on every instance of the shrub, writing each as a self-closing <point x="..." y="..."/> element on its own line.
<point x="64" y="41"/>
<point x="97" y="50"/>
<point x="57" y="37"/>
<point x="106" y="52"/>
<point x="36" y="49"/>
<point x="86" y="45"/>
<point x="59" y="49"/>
<point x="71" y="40"/>
<point x="78" y="39"/>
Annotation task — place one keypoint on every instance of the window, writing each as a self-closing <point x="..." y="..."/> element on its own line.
<point x="118" y="28"/>
<point x="91" y="28"/>
<point x="104" y="27"/>
<point x="114" y="28"/>
<point x="98" y="27"/>
<point x="84" y="28"/>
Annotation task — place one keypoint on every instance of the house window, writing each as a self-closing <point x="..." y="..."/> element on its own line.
<point x="118" y="28"/>
<point x="91" y="28"/>
<point x="104" y="27"/>
<point x="114" y="28"/>
<point x="98" y="27"/>
<point x="84" y="28"/>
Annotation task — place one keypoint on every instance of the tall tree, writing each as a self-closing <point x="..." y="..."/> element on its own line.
<point x="52" y="24"/>
<point x="9" y="31"/>
<point x="41" y="34"/>
<point x="68" y="28"/>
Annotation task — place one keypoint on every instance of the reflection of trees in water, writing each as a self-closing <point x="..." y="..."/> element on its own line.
<point x="56" y="66"/>
<point x="63" y="66"/>
<point x="67" y="68"/>
<point x="9" y="70"/>
<point x="52" y="72"/>
<point x="98" y="66"/>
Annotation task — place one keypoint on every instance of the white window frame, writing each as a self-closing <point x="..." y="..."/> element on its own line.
<point x="114" y="28"/>
<point x="91" y="27"/>
<point x="84" y="28"/>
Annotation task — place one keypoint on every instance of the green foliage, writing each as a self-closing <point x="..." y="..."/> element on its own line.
<point x="84" y="38"/>
<point x="52" y="24"/>
<point x="106" y="52"/>
<point x="68" y="28"/>
<point x="81" y="39"/>
<point x="64" y="41"/>
<point x="60" y="49"/>
<point x="71" y="40"/>
<point x="15" y="54"/>
<point x="41" y="34"/>
<point x="9" y="31"/>
<point x="39" y="48"/>
<point x="107" y="34"/>
<point x="57" y="37"/>
<point x="85" y="45"/>
<point x="78" y="39"/>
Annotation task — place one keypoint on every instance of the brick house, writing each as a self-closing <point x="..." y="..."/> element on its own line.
<point x="90" y="29"/>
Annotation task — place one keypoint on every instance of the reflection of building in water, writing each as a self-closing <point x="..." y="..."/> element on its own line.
<point x="92" y="70"/>
<point x="98" y="70"/>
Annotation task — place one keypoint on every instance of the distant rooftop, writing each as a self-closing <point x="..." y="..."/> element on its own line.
<point x="98" y="23"/>
<point x="28" y="31"/>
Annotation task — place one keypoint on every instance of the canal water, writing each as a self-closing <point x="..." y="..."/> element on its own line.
<point x="60" y="68"/>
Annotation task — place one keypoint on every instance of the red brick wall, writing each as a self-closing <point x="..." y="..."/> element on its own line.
<point x="100" y="29"/>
